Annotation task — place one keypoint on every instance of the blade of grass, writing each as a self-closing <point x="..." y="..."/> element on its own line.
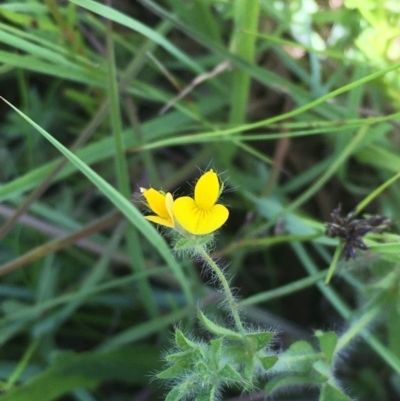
<point x="60" y="243"/>
<point x="118" y="17"/>
<point x="343" y="309"/>
<point x="121" y="165"/>
<point x="126" y="207"/>
<point x="96" y="274"/>
<point x="332" y="266"/>
<point x="89" y="77"/>
<point x="246" y="15"/>
<point x="145" y="329"/>
<point x="284" y="290"/>
<point x="31" y="312"/>
<point x="21" y="365"/>
<point x="30" y="37"/>
<point x="40" y="189"/>
<point x="341" y="158"/>
<point x="381" y="158"/>
<point x="103" y="149"/>
<point x="269" y="79"/>
<point x="131" y="70"/>
<point x="368" y="199"/>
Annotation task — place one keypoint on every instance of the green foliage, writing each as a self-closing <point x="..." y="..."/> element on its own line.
<point x="199" y="369"/>
<point x="184" y="244"/>
<point x="297" y="102"/>
<point x="69" y="371"/>
<point x="300" y="365"/>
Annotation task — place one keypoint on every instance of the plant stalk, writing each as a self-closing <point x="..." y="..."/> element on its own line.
<point x="231" y="300"/>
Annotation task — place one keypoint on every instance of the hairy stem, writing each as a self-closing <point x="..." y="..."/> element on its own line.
<point x="231" y="300"/>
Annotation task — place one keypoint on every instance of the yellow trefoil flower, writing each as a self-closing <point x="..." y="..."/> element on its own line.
<point x="161" y="205"/>
<point x="201" y="215"/>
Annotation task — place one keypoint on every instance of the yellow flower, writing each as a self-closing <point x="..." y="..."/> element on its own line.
<point x="161" y="205"/>
<point x="201" y="215"/>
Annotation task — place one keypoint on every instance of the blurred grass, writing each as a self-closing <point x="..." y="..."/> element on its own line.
<point x="305" y="117"/>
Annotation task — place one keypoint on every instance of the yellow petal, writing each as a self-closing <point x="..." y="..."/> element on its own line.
<point x="160" y="220"/>
<point x="196" y="220"/>
<point x="169" y="203"/>
<point x="206" y="191"/>
<point x="156" y="202"/>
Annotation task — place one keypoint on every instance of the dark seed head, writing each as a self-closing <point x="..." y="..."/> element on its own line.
<point x="350" y="230"/>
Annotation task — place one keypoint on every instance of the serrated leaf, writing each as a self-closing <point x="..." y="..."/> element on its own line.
<point x="283" y="382"/>
<point x="183" y="342"/>
<point x="228" y="373"/>
<point x="260" y="340"/>
<point x="268" y="361"/>
<point x="327" y="343"/>
<point x="216" y="329"/>
<point x="330" y="393"/>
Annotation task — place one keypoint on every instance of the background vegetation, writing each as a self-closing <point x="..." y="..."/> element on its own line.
<point x="295" y="103"/>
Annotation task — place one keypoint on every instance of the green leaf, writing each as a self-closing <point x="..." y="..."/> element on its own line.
<point x="174" y="395"/>
<point x="179" y="355"/>
<point x="323" y="369"/>
<point x="215" y="350"/>
<point x="394" y="328"/>
<point x="207" y="395"/>
<point x="327" y="343"/>
<point x="174" y="371"/>
<point x="235" y="353"/>
<point x="202" y="368"/>
<point x="205" y="239"/>
<point x="116" y="16"/>
<point x="187" y="243"/>
<point x="260" y="340"/>
<point x="268" y="361"/>
<point x="123" y="204"/>
<point x="103" y="149"/>
<point x="298" y="358"/>
<point x="184" y="243"/>
<point x="228" y="373"/>
<point x="183" y="342"/>
<point x="216" y="329"/>
<point x="69" y="371"/>
<point x="380" y="157"/>
<point x="330" y="393"/>
<point x="249" y="368"/>
<point x="287" y="381"/>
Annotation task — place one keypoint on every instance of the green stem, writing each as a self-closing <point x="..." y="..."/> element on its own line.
<point x="358" y="327"/>
<point x="231" y="300"/>
<point x="246" y="16"/>
<point x="133" y="242"/>
<point x="21" y="365"/>
<point x="335" y="259"/>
